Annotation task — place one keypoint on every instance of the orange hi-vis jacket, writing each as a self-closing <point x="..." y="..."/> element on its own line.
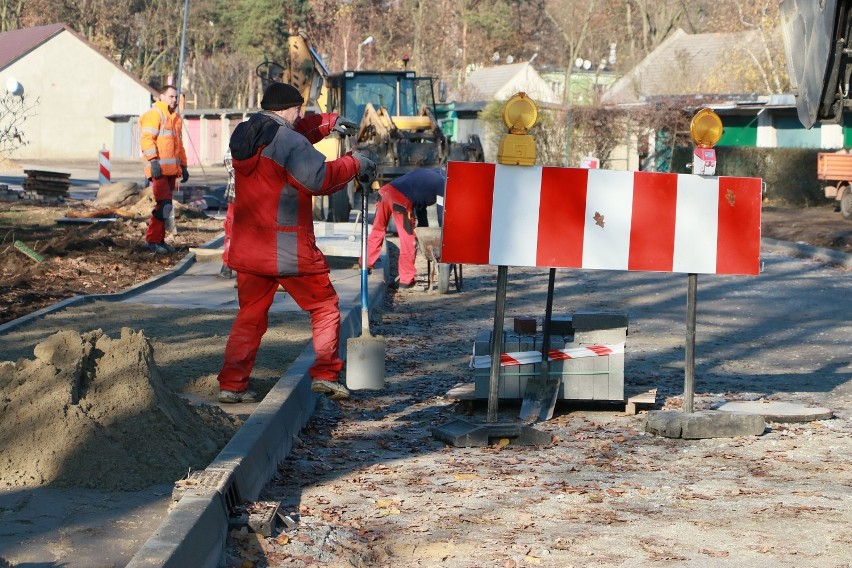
<point x="161" y="139"/>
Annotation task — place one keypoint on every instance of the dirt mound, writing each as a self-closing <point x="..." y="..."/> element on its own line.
<point x="85" y="258"/>
<point x="91" y="411"/>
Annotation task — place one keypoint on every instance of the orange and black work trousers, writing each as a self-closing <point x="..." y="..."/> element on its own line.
<point x="163" y="188"/>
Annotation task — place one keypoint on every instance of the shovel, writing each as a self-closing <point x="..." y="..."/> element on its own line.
<point x="365" y="355"/>
<point x="542" y="390"/>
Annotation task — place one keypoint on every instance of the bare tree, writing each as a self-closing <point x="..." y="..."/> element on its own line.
<point x="10" y="14"/>
<point x="14" y="111"/>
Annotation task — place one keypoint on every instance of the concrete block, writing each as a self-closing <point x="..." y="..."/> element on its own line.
<point x="525" y="343"/>
<point x="582" y="369"/>
<point x="592" y="378"/>
<point x="616" y="376"/>
<point x="600" y="378"/>
<point x="600" y="336"/>
<point x="525" y="325"/>
<point x="482" y="343"/>
<point x="510" y="387"/>
<point x="323" y="229"/>
<point x="703" y="424"/>
<point x="588" y="320"/>
<point x="562" y="325"/>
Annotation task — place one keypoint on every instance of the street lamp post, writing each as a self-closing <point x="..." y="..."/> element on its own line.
<point x="367" y="41"/>
<point x="182" y="49"/>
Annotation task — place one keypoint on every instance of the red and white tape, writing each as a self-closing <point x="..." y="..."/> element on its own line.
<point x="531" y="357"/>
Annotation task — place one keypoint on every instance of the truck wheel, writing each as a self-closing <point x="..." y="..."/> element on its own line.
<point x="846" y="204"/>
<point x="443" y="278"/>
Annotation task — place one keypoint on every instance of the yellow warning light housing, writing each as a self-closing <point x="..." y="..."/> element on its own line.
<point x="517" y="148"/>
<point x="705" y="128"/>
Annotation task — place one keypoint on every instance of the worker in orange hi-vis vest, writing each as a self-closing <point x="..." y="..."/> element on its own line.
<point x="162" y="149"/>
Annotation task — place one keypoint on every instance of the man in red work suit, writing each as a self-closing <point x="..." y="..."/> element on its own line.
<point x="277" y="171"/>
<point x="162" y="148"/>
<point x="413" y="191"/>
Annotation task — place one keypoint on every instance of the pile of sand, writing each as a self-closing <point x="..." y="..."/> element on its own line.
<point x="91" y="411"/>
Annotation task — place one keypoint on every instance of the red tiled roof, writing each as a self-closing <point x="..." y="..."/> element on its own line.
<point x="17" y="43"/>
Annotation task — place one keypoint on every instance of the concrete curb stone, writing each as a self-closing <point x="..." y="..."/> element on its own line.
<point x="190" y="535"/>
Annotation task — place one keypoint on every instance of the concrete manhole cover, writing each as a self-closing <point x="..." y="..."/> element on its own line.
<point x="776" y="411"/>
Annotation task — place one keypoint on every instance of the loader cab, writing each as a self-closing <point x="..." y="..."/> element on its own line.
<point x="402" y="93"/>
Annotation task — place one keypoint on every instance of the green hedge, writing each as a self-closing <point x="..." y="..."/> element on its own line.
<point x="790" y="174"/>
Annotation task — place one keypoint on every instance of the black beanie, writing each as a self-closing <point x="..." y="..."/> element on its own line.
<point x="279" y="96"/>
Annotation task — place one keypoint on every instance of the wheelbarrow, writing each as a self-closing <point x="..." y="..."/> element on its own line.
<point x="429" y="245"/>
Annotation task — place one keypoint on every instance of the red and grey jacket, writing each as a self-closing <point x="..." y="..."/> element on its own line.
<point x="277" y="172"/>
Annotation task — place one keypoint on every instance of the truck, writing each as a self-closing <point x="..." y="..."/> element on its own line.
<point x="834" y="171"/>
<point x="817" y="36"/>
<point x="394" y="111"/>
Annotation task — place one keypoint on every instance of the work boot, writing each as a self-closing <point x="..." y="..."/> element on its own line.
<point x="233" y="397"/>
<point x="397" y="285"/>
<point x="332" y="389"/>
<point x="225" y="273"/>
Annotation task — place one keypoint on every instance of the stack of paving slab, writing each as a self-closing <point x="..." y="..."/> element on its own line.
<point x="598" y="378"/>
<point x="46" y="186"/>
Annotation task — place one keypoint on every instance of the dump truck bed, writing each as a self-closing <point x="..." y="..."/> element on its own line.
<point x="834" y="166"/>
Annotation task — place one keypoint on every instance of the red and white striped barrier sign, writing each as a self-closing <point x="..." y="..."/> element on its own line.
<point x="103" y="166"/>
<point x="528" y="357"/>
<point x="600" y="219"/>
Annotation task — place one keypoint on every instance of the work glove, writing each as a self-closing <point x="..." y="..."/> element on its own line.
<point x="184" y="174"/>
<point x="345" y="127"/>
<point x="366" y="168"/>
<point x="156" y="172"/>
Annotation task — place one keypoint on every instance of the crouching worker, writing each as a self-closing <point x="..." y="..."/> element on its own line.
<point x="277" y="171"/>
<point x="400" y="198"/>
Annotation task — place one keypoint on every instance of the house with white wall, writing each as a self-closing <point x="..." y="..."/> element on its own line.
<point x="85" y="100"/>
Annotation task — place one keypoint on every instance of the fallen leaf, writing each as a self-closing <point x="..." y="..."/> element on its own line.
<point x="466" y="476"/>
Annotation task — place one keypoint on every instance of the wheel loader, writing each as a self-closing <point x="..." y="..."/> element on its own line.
<point x="817" y="36"/>
<point x="818" y="44"/>
<point x="395" y="111"/>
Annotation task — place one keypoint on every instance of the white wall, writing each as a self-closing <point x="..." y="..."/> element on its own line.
<point x="77" y="89"/>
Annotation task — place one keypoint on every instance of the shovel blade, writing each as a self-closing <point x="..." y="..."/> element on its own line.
<point x="540" y="399"/>
<point x="365" y="363"/>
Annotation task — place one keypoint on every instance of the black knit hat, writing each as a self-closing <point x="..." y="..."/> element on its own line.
<point x="279" y="96"/>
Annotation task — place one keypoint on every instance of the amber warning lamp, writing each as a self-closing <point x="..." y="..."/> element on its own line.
<point x="517" y="148"/>
<point x="705" y="129"/>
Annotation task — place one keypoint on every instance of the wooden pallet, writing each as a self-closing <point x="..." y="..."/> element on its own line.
<point x="641" y="400"/>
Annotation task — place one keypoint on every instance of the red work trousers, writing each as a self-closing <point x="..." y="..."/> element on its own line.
<point x="313" y="293"/>
<point x="163" y="188"/>
<point x="392" y="202"/>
